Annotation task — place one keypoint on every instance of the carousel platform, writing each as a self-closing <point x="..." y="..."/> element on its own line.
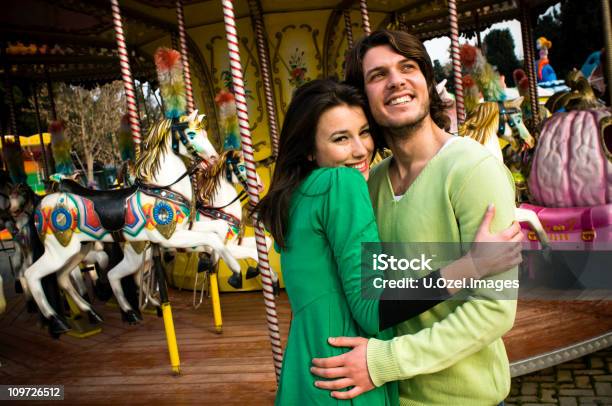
<point x="129" y="364"/>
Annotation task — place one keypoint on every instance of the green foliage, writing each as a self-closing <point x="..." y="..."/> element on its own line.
<point x="439" y="73"/>
<point x="26" y="119"/>
<point x="499" y="46"/>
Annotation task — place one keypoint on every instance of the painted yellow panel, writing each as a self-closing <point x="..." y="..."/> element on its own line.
<point x="30" y="141"/>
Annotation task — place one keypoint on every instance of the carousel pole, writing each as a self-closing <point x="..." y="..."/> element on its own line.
<point x="166" y="311"/>
<point x="264" y="63"/>
<point x="3" y="164"/>
<point x="363" y="6"/>
<point x="10" y="102"/>
<point x="184" y="56"/>
<point x="348" y="28"/>
<point x="128" y="85"/>
<point x="51" y="95"/>
<point x="607" y="26"/>
<point x="9" y="97"/>
<point x="247" y="149"/>
<point x="454" y="28"/>
<point x="534" y="84"/>
<point x="477" y="22"/>
<point x="126" y="73"/>
<point x="40" y="135"/>
<point x="528" y="55"/>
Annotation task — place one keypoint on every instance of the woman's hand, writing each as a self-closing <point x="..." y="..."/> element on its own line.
<point x="495" y="253"/>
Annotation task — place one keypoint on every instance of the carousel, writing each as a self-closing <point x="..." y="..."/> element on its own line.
<point x="146" y="284"/>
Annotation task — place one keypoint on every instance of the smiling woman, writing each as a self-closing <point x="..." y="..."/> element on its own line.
<point x="343" y="139"/>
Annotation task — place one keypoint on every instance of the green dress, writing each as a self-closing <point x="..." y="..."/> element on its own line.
<point x="330" y="215"/>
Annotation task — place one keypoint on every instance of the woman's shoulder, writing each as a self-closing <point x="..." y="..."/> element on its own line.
<point x="322" y="180"/>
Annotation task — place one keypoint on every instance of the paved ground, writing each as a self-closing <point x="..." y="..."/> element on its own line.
<point x="584" y="381"/>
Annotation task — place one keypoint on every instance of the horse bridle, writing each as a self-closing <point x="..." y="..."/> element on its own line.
<point x="231" y="167"/>
<point x="505" y="115"/>
<point x="178" y="133"/>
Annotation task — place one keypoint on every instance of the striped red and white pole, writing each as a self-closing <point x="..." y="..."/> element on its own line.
<point x="126" y="74"/>
<point x="531" y="74"/>
<point x="264" y="64"/>
<point x="347" y="27"/>
<point x="454" y="27"/>
<point x="363" y="6"/>
<point x="247" y="149"/>
<point x="184" y="56"/>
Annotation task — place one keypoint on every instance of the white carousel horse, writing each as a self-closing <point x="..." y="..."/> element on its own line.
<point x="156" y="209"/>
<point x="22" y="202"/>
<point x="492" y="121"/>
<point x="221" y="215"/>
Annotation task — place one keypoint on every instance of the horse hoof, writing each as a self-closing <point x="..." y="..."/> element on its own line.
<point x="131" y="317"/>
<point x="252" y="272"/>
<point x="57" y="326"/>
<point x="205" y="263"/>
<point x="95" y="317"/>
<point x="235" y="281"/>
<point x="18" y="287"/>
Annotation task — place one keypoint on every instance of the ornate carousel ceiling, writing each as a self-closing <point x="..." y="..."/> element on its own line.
<point x="73" y="40"/>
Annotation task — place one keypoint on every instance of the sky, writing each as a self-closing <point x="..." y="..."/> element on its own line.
<point x="438" y="48"/>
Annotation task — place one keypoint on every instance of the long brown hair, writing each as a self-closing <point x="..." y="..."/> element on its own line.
<point x="296" y="144"/>
<point x="408" y="46"/>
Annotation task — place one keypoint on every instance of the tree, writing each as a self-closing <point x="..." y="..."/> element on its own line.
<point x="439" y="73"/>
<point x="92" y="118"/>
<point x="500" y="53"/>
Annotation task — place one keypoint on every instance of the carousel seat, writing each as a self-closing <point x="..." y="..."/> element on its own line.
<point x="109" y="205"/>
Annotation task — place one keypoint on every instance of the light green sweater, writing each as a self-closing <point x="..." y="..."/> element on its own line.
<point x="452" y="354"/>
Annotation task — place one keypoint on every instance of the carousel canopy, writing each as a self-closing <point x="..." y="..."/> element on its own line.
<point x="74" y="39"/>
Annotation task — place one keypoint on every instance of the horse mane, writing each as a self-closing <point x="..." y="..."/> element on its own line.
<point x="152" y="149"/>
<point x="208" y="179"/>
<point x="483" y="122"/>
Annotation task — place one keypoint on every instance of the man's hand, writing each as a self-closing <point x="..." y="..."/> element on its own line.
<point x="351" y="368"/>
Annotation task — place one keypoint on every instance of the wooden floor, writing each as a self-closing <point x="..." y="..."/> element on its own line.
<point x="129" y="364"/>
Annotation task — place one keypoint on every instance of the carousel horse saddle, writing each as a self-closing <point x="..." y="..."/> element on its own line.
<point x="109" y="205"/>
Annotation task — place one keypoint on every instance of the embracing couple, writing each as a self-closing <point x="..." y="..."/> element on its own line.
<point x="344" y="348"/>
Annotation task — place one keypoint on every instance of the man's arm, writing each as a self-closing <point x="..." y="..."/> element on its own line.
<point x="474" y="324"/>
<point x="471" y="326"/>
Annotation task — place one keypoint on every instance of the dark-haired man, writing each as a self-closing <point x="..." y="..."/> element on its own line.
<point x="435" y="188"/>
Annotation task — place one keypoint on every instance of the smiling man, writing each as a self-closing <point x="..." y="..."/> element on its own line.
<point x="435" y="188"/>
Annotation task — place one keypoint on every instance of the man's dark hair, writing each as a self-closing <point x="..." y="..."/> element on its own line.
<point x="408" y="46"/>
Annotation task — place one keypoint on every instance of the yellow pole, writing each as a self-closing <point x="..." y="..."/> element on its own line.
<point x="175" y="362"/>
<point x="216" y="302"/>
